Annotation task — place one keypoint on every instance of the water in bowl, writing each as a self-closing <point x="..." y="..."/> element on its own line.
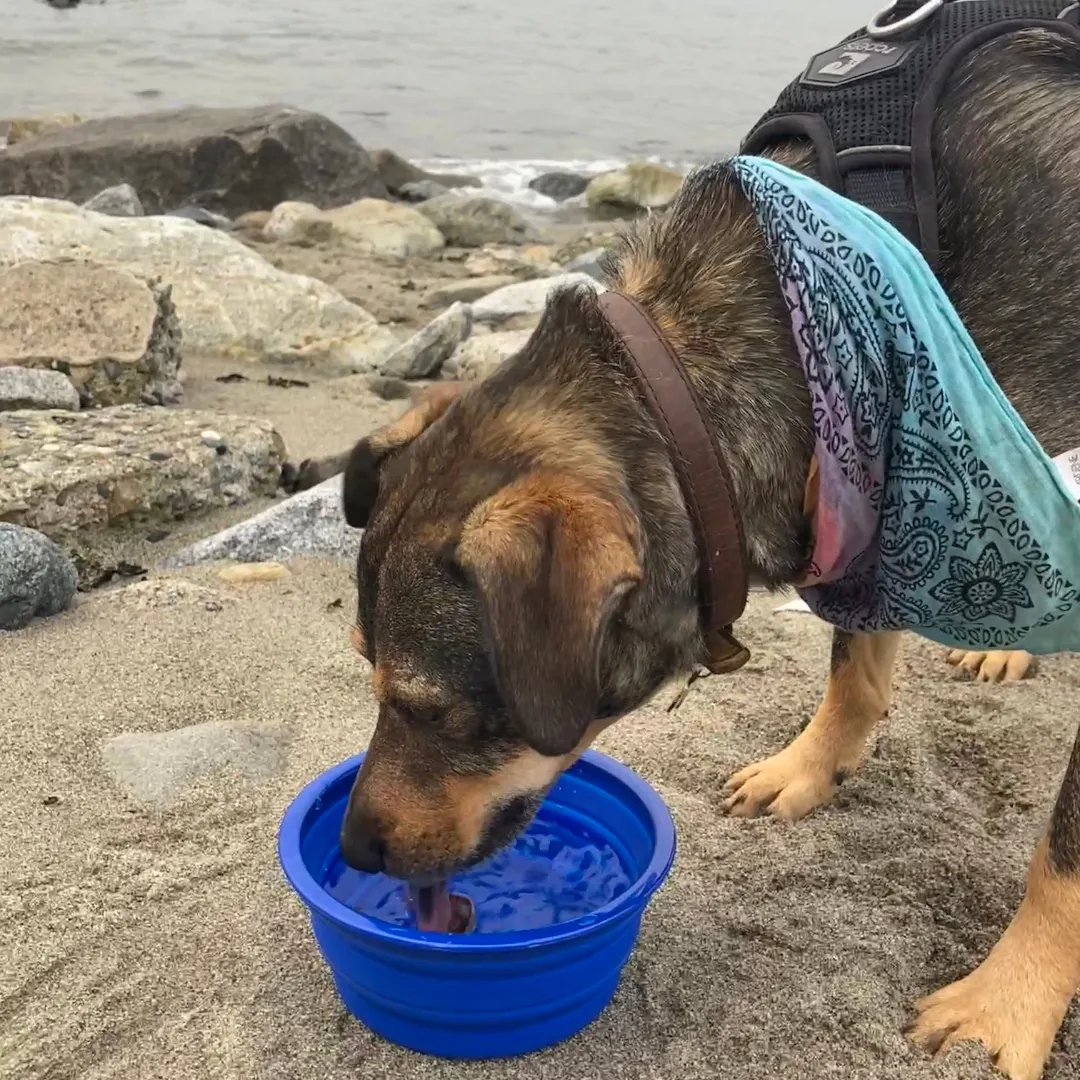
<point x="551" y="874"/>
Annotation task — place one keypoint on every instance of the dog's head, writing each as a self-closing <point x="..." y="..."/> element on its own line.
<point x="488" y="582"/>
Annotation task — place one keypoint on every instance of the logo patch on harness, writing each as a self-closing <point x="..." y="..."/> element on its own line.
<point x="855" y="59"/>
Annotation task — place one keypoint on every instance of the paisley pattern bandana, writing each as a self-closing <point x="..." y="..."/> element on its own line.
<point x="938" y="511"/>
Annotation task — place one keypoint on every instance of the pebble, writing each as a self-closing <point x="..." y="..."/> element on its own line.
<point x="244" y="573"/>
<point x="36" y="388"/>
<point x="36" y="577"/>
<point x="210" y="438"/>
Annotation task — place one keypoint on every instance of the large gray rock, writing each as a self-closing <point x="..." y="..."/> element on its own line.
<point x="309" y="524"/>
<point x="474" y="220"/>
<point x="227" y="160"/>
<point x="527" y="297"/>
<point x="396" y="172"/>
<point x="478" y="357"/>
<point x="158" y="768"/>
<point x="64" y="472"/>
<point x="122" y="200"/>
<point x="424" y="353"/>
<point x="36" y="577"/>
<point x="230" y="300"/>
<point x="29" y="388"/>
<point x="115" y="333"/>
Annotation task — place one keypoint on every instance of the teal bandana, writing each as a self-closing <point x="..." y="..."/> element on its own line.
<point x="938" y="511"/>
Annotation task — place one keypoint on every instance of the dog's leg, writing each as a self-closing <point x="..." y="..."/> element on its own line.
<point x="309" y="472"/>
<point x="807" y="773"/>
<point x="1015" y="1000"/>
<point x="994" y="666"/>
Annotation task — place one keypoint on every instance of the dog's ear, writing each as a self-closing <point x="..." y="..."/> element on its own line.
<point x="365" y="461"/>
<point x="552" y="561"/>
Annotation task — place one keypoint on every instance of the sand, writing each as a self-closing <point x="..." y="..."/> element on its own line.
<point x="143" y="941"/>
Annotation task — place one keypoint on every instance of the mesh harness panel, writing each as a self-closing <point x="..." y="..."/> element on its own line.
<point x="868" y="104"/>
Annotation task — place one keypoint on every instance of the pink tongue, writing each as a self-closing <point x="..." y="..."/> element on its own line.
<point x="440" y="911"/>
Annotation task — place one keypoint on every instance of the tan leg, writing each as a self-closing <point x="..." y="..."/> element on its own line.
<point x="1014" y="1001"/>
<point x="994" y="666"/>
<point x="807" y="773"/>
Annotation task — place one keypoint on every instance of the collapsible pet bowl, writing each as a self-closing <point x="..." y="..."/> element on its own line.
<point x="484" y="995"/>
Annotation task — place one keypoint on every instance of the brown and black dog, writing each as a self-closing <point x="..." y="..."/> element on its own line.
<point x="529" y="573"/>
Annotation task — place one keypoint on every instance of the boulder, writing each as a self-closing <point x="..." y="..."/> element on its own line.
<point x="376" y="226"/>
<point x="527" y="297"/>
<point x="466" y="290"/>
<point x="523" y="262"/>
<point x="424" y="353"/>
<point x="119" y="201"/>
<point x="559" y="186"/>
<point x="227" y="160"/>
<point x="395" y="172"/>
<point x="641" y="185"/>
<point x="308" y="524"/>
<point x="113" y="332"/>
<point x="478" y="357"/>
<point x="63" y="472"/>
<point x="36" y="577"/>
<point x="472" y="221"/>
<point x="229" y="299"/>
<point x="30" y="388"/>
<point x="22" y="128"/>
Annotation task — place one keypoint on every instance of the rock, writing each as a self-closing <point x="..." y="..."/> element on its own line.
<point x="588" y="240"/>
<point x="559" y="186"/>
<point x="523" y="262"/>
<point x="590" y="262"/>
<point x="226" y="160"/>
<point x="641" y="185"/>
<point x="466" y="290"/>
<point x="424" y="353"/>
<point x="202" y="216"/>
<point x="421" y="190"/>
<point x="472" y="221"/>
<point x="36" y="577"/>
<point x="526" y="297"/>
<point x="395" y="172"/>
<point x="254" y="221"/>
<point x="122" y="200"/>
<point x="308" y="524"/>
<point x="115" y="333"/>
<point x="229" y="299"/>
<point x="164" y="592"/>
<point x="478" y="357"/>
<point x="30" y="127"/>
<point x="377" y="227"/>
<point x="389" y="389"/>
<point x="64" y="472"/>
<point x="29" y="388"/>
<point x="157" y="768"/>
<point x="247" y="573"/>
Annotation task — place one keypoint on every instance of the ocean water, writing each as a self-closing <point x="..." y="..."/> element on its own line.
<point x="503" y="88"/>
<point x="549" y="875"/>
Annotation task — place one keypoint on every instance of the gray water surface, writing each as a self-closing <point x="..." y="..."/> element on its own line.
<point x="467" y="79"/>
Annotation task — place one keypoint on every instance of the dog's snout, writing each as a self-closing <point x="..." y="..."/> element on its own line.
<point x="363" y="846"/>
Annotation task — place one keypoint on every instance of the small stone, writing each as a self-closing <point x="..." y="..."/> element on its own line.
<point x="389" y="389"/>
<point x="424" y="353"/>
<point x="32" y="388"/>
<point x="559" y="186"/>
<point x="417" y="191"/>
<point x="466" y="290"/>
<point x="36" y="577"/>
<point x="210" y="438"/>
<point x="587" y="263"/>
<point x="527" y="297"/>
<point x="201" y="216"/>
<point x="121" y="200"/>
<point x="245" y="573"/>
<point x="254" y="221"/>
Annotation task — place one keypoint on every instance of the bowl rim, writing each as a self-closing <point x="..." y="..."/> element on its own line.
<point x="634" y="899"/>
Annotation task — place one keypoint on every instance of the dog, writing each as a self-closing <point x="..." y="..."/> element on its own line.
<point x="528" y="573"/>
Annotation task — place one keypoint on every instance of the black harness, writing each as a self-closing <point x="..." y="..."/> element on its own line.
<point x="868" y="104"/>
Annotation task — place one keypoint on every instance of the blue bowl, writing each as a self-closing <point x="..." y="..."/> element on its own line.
<point x="484" y="995"/>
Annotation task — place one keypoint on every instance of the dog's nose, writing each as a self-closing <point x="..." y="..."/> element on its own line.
<point x="362" y="845"/>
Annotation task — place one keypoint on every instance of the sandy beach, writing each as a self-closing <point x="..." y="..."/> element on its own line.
<point x="142" y="940"/>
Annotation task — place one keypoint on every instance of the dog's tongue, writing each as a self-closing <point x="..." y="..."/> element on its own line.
<point x="440" y="911"/>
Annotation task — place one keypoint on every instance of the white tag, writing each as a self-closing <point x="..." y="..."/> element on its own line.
<point x="1068" y="464"/>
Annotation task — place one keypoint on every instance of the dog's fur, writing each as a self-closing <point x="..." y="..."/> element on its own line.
<point x="528" y="573"/>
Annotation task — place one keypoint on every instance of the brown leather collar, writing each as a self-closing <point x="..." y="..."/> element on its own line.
<point x="703" y="476"/>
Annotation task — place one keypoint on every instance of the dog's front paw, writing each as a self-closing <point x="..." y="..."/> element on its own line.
<point x="295" y="478"/>
<point x="787" y="785"/>
<point x="994" y="666"/>
<point x="1010" y="1010"/>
